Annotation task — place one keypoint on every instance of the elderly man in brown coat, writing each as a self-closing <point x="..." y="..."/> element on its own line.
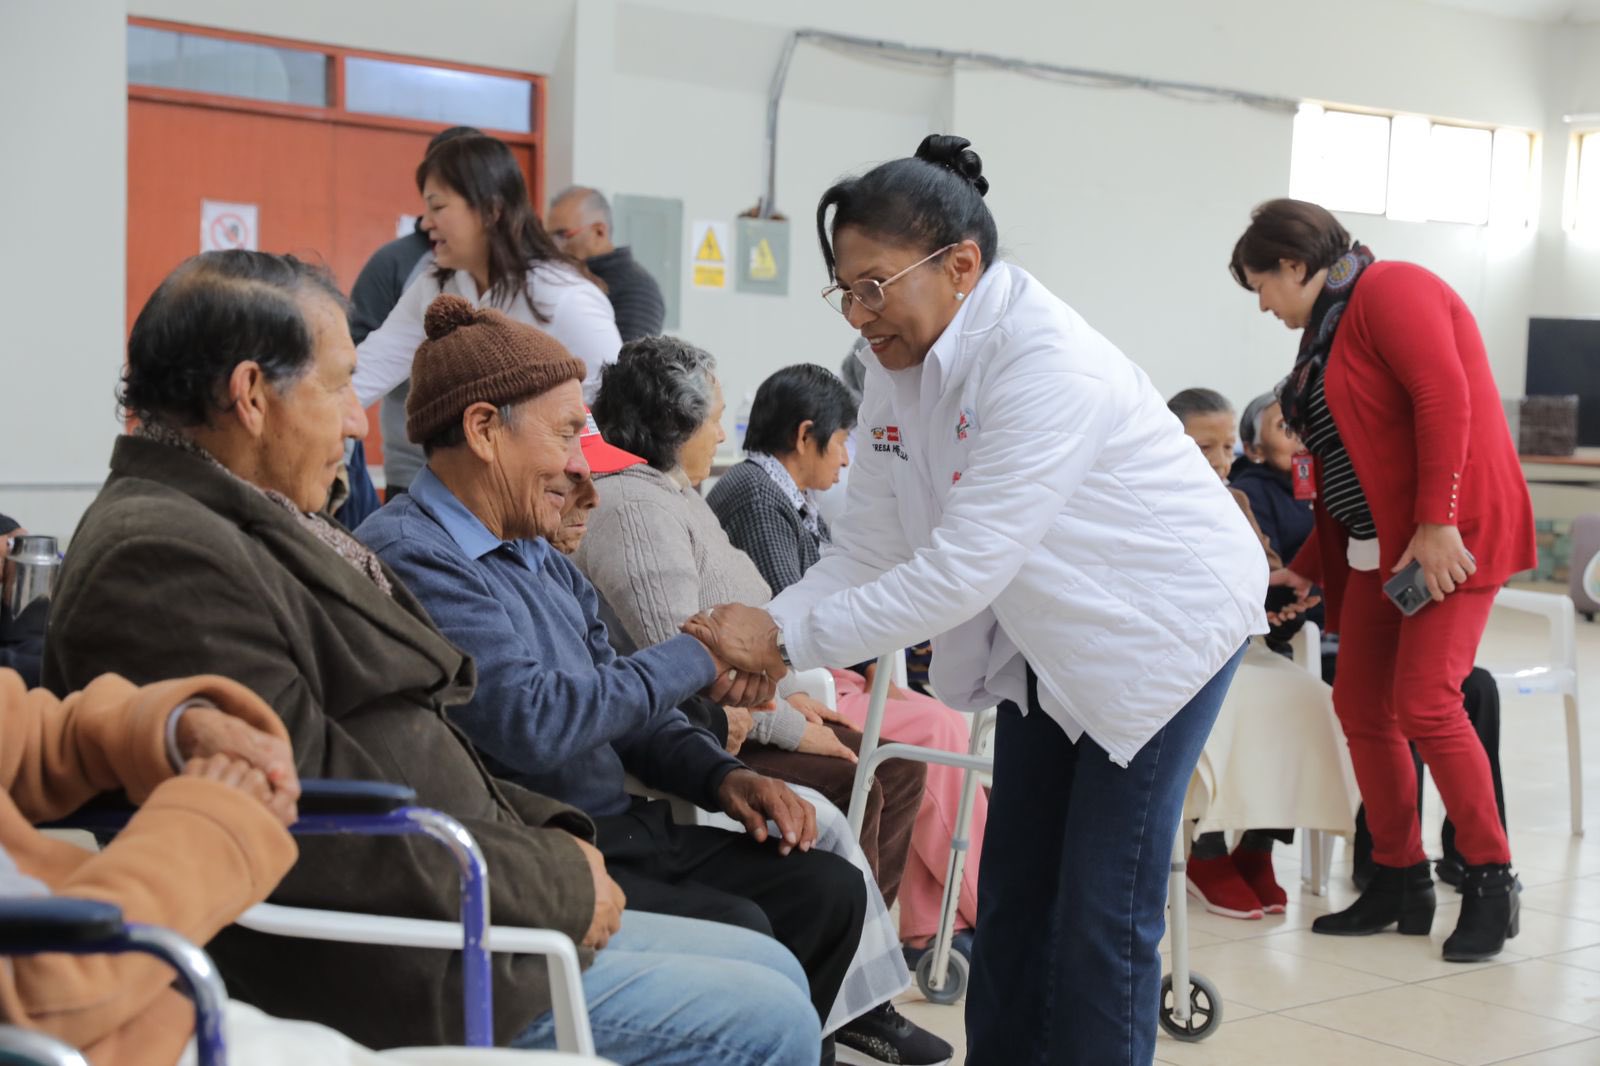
<point x="206" y="552"/>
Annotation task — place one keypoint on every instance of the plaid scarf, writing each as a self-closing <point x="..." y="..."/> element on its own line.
<point x="329" y="533"/>
<point x="1316" y="341"/>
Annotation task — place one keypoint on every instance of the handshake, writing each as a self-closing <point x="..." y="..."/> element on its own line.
<point x="743" y="641"/>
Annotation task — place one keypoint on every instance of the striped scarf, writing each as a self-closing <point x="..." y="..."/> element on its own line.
<point x="1294" y="392"/>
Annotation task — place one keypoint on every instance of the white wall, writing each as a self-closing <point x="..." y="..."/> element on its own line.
<point x="62" y="275"/>
<point x="1126" y="203"/>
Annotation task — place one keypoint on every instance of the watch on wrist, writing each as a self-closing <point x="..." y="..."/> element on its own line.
<point x="783" y="649"/>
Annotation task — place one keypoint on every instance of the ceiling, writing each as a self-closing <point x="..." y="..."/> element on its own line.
<point x="1536" y="10"/>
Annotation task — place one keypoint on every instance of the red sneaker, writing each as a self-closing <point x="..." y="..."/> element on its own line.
<point x="1217" y="884"/>
<point x="1255" y="867"/>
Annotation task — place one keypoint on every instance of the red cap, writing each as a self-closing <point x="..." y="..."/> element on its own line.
<point x="602" y="457"/>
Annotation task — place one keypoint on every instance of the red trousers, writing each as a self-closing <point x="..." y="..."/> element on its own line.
<point x="1400" y="680"/>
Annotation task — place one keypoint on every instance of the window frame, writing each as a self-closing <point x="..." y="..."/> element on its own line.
<point x="1388" y="213"/>
<point x="335" y="110"/>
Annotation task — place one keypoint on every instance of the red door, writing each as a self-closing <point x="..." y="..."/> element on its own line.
<point x="325" y="191"/>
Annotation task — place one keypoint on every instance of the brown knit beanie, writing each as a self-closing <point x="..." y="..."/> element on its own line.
<point x="474" y="356"/>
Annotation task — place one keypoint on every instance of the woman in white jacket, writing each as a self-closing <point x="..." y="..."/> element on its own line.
<point x="490" y="248"/>
<point x="1022" y="489"/>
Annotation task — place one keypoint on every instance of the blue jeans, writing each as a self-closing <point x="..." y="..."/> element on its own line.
<point x="1072" y="891"/>
<point x="670" y="991"/>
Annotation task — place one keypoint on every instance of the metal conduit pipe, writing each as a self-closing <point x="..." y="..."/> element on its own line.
<point x="944" y="59"/>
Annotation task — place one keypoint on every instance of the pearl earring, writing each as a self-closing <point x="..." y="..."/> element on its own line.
<point x="960" y="296"/>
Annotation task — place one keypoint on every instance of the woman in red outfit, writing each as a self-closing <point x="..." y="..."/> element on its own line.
<point x="1393" y="396"/>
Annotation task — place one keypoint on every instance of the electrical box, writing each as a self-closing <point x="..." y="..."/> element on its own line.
<point x="763" y="263"/>
<point x="653" y="227"/>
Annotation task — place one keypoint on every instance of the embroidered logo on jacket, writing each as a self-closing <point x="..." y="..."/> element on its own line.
<point x="887" y="439"/>
<point x="966" y="423"/>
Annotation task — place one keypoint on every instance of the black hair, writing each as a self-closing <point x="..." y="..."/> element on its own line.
<point x="1192" y="402"/>
<point x="451" y="134"/>
<point x="801" y="393"/>
<point x="654" y="398"/>
<point x="215" y="311"/>
<point x="482" y="170"/>
<point x="930" y="200"/>
<point x="1288" y="229"/>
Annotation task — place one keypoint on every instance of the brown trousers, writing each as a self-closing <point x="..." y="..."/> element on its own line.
<point x="892" y="801"/>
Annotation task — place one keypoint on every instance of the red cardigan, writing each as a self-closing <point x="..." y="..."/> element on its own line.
<point x="1409" y="386"/>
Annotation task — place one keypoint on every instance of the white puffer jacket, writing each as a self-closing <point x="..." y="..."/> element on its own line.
<point x="1026" y="496"/>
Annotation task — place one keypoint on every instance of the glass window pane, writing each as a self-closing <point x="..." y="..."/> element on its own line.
<point x="1305" y="154"/>
<point x="1511" y="194"/>
<point x="171" y="60"/>
<point x="1410" y="168"/>
<point x="1461" y="162"/>
<point x="1587" y="216"/>
<point x="434" y="94"/>
<point x="1340" y="160"/>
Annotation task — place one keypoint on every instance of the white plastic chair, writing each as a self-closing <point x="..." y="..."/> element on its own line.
<point x="1556" y="675"/>
<point x="574" y="1039"/>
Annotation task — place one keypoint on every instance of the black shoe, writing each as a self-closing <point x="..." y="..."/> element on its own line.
<point x="1450" y="870"/>
<point x="885" y="1036"/>
<point x="1491" y="909"/>
<point x="1361" y="874"/>
<point x="1396" y="894"/>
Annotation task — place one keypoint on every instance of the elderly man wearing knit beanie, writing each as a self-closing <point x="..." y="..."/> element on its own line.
<point x="498" y="409"/>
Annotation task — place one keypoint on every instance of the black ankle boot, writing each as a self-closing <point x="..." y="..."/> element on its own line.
<point x="1402" y="894"/>
<point x="1490" y="913"/>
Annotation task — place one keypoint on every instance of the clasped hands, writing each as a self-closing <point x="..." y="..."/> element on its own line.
<point x="743" y="642"/>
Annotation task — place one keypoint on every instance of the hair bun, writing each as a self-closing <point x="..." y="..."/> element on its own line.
<point x="954" y="153"/>
<point x="446" y="313"/>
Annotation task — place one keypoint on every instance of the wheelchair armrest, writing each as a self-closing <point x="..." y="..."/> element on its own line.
<point x="323" y="797"/>
<point x="330" y="796"/>
<point x="42" y="923"/>
<point x="29" y="1047"/>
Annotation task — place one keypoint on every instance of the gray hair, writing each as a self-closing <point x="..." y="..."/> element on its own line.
<point x="655" y="397"/>
<point x="1250" y="421"/>
<point x="1191" y="402"/>
<point x="594" y="204"/>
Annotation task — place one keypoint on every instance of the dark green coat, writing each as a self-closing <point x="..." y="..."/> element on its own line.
<point x="178" y="568"/>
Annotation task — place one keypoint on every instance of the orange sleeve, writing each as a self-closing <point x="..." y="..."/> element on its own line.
<point x="57" y="754"/>
<point x="194" y="857"/>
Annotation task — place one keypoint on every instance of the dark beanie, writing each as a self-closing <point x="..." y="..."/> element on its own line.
<point x="479" y="356"/>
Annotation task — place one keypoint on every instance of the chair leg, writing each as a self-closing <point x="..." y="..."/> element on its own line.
<point x="1574" y="762"/>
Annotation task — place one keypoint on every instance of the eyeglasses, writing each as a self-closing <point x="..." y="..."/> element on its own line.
<point x="869" y="291"/>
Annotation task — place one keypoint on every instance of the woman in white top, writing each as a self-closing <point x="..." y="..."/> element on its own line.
<point x="1022" y="490"/>
<point x="489" y="247"/>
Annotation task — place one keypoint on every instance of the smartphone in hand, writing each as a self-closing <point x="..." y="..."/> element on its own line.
<point x="1408" y="590"/>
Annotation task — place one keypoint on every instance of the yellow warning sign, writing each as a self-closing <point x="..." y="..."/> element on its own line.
<point x="710" y="251"/>
<point x="708" y="266"/>
<point x="763" y="265"/>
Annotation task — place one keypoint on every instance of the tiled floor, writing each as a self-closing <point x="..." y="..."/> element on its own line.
<point x="1291" y="998"/>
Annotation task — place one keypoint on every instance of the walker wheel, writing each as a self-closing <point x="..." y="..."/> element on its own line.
<point x="1205" y="1009"/>
<point x="955" y="978"/>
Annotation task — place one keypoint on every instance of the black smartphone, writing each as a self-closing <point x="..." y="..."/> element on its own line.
<point x="1408" y="590"/>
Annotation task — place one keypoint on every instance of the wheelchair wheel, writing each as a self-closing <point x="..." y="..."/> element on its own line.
<point x="955" y="978"/>
<point x="1205" y="1009"/>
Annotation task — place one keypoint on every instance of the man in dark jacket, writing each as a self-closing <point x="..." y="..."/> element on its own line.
<point x="207" y="537"/>
<point x="580" y="221"/>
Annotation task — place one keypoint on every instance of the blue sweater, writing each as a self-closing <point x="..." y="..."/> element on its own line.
<point x="556" y="709"/>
